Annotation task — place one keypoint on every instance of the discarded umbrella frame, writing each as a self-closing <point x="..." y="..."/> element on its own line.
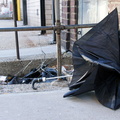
<point x="44" y="79"/>
<point x="41" y="74"/>
<point x="36" y="73"/>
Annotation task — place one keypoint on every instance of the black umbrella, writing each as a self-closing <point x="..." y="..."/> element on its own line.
<point x="96" y="60"/>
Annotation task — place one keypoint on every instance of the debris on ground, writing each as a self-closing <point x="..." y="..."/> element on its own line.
<point x="6" y="85"/>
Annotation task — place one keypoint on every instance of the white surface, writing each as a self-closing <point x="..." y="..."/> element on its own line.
<point x="52" y="106"/>
<point x="30" y="53"/>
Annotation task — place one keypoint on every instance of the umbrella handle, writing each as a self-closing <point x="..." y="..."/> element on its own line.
<point x="36" y="81"/>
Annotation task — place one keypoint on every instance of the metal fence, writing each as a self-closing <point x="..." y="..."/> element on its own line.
<point x="58" y="27"/>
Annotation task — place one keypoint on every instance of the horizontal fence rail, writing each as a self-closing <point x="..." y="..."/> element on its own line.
<point x="62" y="27"/>
<point x="56" y="28"/>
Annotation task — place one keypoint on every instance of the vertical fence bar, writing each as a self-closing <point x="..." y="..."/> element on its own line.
<point x="53" y="20"/>
<point x="58" y="36"/>
<point x="43" y="18"/>
<point x="15" y="25"/>
<point x="25" y="19"/>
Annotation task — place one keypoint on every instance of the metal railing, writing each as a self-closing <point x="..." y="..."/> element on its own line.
<point x="58" y="27"/>
<point x="61" y="27"/>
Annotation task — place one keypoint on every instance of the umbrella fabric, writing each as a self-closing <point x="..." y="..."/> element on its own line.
<point x="107" y="85"/>
<point x="96" y="60"/>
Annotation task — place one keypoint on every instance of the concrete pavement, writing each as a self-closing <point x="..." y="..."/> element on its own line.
<point x="50" y="51"/>
<point x="52" y="106"/>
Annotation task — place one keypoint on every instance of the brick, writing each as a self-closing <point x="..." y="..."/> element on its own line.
<point x="73" y="30"/>
<point x="48" y="2"/>
<point x="64" y="3"/>
<point x="48" y="7"/>
<point x="49" y="17"/>
<point x="65" y="15"/>
<point x="69" y="16"/>
<point x="48" y="11"/>
<point x="73" y="2"/>
<point x="49" y="22"/>
<point x="114" y="0"/>
<point x="65" y="9"/>
<point x="73" y="16"/>
<point x="73" y="10"/>
<point x="72" y="22"/>
<point x="73" y="36"/>
<point x="65" y="22"/>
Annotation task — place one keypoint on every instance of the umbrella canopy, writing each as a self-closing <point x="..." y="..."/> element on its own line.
<point x="97" y="54"/>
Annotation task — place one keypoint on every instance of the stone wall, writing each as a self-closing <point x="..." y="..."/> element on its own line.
<point x="74" y="20"/>
<point x="69" y="17"/>
<point x="33" y="7"/>
<point x="13" y="67"/>
<point x="48" y="11"/>
<point x="33" y="12"/>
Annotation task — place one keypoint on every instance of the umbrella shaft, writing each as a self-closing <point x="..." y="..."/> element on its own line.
<point x="44" y="78"/>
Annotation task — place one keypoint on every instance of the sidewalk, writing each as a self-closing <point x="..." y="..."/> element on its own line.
<point x="31" y="44"/>
<point x="29" y="53"/>
<point x="27" y="39"/>
<point x="52" y="106"/>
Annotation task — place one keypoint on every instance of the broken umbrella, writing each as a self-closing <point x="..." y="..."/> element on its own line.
<point x="98" y="51"/>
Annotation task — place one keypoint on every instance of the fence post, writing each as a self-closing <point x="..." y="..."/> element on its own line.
<point x="16" y="32"/>
<point x="58" y="36"/>
<point x="53" y="20"/>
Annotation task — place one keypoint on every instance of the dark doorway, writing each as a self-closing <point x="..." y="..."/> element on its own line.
<point x="15" y="7"/>
<point x="43" y="18"/>
<point x="25" y="21"/>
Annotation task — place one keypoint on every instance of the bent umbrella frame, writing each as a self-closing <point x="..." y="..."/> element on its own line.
<point x="98" y="51"/>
